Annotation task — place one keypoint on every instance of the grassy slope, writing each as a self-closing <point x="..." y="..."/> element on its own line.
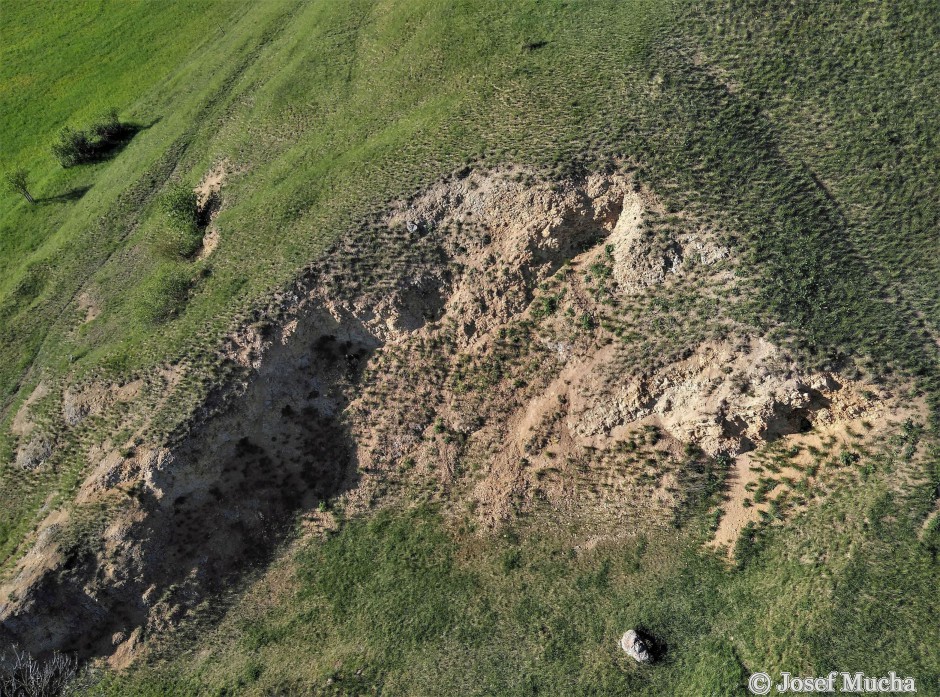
<point x="332" y="107"/>
<point x="62" y="65"/>
<point x="820" y="156"/>
<point x="59" y="245"/>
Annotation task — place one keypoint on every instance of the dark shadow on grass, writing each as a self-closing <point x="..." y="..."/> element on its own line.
<point x="657" y="646"/>
<point x="109" y="147"/>
<point x="534" y="46"/>
<point x="68" y="197"/>
<point x="224" y="499"/>
<point x="207" y="211"/>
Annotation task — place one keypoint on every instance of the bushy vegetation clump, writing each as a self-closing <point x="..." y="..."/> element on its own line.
<point x="180" y="236"/>
<point x="164" y="295"/>
<point x="73" y="147"/>
<point x="77" y="147"/>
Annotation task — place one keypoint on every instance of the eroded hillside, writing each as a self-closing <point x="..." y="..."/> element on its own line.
<point x="499" y="344"/>
<point x="405" y="347"/>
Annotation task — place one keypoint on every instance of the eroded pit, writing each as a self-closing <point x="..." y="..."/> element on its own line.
<point x="497" y="344"/>
<point x="186" y="519"/>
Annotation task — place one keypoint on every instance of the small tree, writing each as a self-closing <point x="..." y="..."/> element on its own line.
<point x="18" y="182"/>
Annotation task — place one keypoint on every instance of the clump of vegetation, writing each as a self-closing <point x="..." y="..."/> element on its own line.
<point x="180" y="205"/>
<point x="545" y="306"/>
<point x="77" y="147"/>
<point x="26" y="676"/>
<point x="181" y="235"/>
<point x="73" y="147"/>
<point x="109" y="127"/>
<point x="747" y="545"/>
<point x="164" y="295"/>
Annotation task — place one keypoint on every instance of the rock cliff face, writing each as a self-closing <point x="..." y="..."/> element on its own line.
<point x="496" y="336"/>
<point x="726" y="398"/>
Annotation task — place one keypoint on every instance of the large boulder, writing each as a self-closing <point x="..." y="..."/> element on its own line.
<point x="636" y="647"/>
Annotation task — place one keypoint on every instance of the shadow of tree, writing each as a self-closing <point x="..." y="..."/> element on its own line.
<point x="67" y="197"/>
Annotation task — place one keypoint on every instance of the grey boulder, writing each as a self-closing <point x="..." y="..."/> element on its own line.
<point x="636" y="647"/>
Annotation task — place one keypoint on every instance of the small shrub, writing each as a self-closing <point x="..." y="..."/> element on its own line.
<point x="180" y="205"/>
<point x="545" y="306"/>
<point x="76" y="147"/>
<point x="181" y="236"/>
<point x="73" y="148"/>
<point x="847" y="457"/>
<point x="600" y="270"/>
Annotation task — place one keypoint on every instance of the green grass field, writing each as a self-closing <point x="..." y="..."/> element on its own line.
<point x="807" y="131"/>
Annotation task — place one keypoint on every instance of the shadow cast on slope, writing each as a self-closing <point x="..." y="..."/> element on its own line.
<point x="216" y="506"/>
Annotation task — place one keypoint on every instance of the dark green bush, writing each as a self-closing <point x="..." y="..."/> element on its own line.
<point x="101" y="138"/>
<point x="73" y="148"/>
<point x="181" y="236"/>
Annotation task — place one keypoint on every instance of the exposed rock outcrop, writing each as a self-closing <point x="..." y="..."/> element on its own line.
<point x="156" y="526"/>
